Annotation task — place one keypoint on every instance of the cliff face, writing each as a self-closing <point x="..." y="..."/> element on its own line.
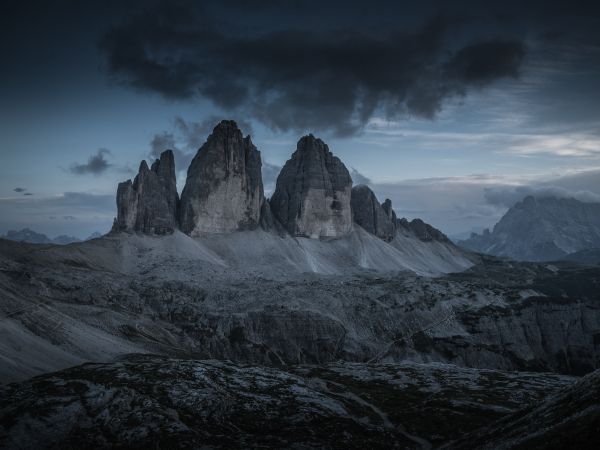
<point x="312" y="196"/>
<point x="149" y="203"/>
<point x="223" y="191"/>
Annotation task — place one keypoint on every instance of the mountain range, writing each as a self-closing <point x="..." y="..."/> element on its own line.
<point x="32" y="237"/>
<point x="541" y="229"/>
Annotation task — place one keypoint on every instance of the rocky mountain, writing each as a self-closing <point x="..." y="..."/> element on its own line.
<point x="224" y="194"/>
<point x="223" y="190"/>
<point x="152" y="402"/>
<point x="541" y="229"/>
<point x="149" y="204"/>
<point x="313" y="192"/>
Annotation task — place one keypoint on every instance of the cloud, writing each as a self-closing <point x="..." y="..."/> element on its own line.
<point x="293" y="78"/>
<point x="19" y="190"/>
<point x="96" y="164"/>
<point x="507" y="197"/>
<point x="69" y="218"/>
<point x="358" y="178"/>
<point x="28" y="193"/>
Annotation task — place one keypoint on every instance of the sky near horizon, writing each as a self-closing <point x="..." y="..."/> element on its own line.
<point x="454" y="110"/>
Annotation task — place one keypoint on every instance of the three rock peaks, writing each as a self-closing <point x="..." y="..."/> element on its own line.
<point x="224" y="193"/>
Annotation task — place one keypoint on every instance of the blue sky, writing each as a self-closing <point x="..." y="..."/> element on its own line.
<point x="63" y="104"/>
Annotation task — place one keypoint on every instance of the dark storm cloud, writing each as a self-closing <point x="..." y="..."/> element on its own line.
<point x="484" y="62"/>
<point x="299" y="79"/>
<point x="95" y="165"/>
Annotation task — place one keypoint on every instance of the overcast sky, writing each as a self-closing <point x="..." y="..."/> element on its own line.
<point x="454" y="110"/>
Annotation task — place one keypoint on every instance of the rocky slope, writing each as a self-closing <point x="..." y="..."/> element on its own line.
<point x="149" y="203"/>
<point x="145" y="401"/>
<point x="312" y="195"/>
<point x="223" y="191"/>
<point x="541" y="229"/>
<point x="175" y="295"/>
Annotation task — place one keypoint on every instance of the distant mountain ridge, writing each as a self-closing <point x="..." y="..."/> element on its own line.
<point x="541" y="229"/>
<point x="32" y="237"/>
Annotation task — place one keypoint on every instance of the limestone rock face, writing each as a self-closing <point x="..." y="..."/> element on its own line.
<point x="371" y="215"/>
<point x="313" y="191"/>
<point x="149" y="203"/>
<point x="223" y="191"/>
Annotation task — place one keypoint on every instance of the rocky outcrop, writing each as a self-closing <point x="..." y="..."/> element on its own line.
<point x="371" y="215"/>
<point x="223" y="191"/>
<point x="313" y="191"/>
<point x="149" y="203"/>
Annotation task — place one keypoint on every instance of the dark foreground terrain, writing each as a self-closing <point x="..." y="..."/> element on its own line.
<point x="154" y="402"/>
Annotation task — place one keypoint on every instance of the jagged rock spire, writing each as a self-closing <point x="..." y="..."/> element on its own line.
<point x="223" y="190"/>
<point x="149" y="203"/>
